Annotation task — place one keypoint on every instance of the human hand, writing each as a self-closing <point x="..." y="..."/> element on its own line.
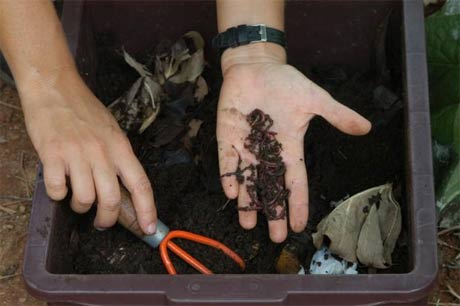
<point x="76" y="136"/>
<point x="256" y="76"/>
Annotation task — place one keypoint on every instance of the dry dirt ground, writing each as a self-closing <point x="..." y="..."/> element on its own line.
<point x="18" y="163"/>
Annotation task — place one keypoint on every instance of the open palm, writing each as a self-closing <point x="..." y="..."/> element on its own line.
<point x="291" y="100"/>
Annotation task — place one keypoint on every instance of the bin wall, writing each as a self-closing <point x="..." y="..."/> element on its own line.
<point x="312" y="27"/>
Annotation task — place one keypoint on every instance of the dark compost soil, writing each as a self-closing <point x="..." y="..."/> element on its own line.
<point x="187" y="188"/>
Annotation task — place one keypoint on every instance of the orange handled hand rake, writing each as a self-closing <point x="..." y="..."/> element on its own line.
<point x="168" y="244"/>
<point x="162" y="239"/>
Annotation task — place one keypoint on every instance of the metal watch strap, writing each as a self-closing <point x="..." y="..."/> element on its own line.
<point x="245" y="34"/>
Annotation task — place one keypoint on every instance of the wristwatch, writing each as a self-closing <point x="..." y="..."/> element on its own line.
<point x="246" y="34"/>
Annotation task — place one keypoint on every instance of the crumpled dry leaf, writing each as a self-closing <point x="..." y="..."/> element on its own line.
<point x="154" y="91"/>
<point x="139" y="106"/>
<point x="370" y="243"/>
<point x="365" y="227"/>
<point x="141" y="69"/>
<point x="183" y="62"/>
<point x="201" y="89"/>
<point x="167" y="66"/>
<point x="178" y="64"/>
<point x="198" y="41"/>
<point x="190" y="69"/>
<point x="194" y="127"/>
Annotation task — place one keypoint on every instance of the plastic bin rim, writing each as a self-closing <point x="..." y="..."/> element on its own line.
<point x="42" y="283"/>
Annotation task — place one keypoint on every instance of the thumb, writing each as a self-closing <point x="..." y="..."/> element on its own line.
<point x="342" y="117"/>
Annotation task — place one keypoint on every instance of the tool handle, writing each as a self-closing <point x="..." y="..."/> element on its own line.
<point x="127" y="216"/>
<point x="128" y="219"/>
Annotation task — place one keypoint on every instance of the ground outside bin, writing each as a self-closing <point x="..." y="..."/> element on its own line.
<point x="342" y="32"/>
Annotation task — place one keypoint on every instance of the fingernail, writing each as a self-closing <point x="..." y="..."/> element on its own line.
<point x="101" y="229"/>
<point x="151" y="229"/>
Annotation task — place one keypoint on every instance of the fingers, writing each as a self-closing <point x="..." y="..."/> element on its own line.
<point x="228" y="164"/>
<point x="278" y="230"/>
<point x="138" y="184"/>
<point x="248" y="219"/>
<point x="54" y="172"/>
<point x="108" y="194"/>
<point x="341" y="117"/>
<point x="83" y="193"/>
<point x="297" y="183"/>
<point x="92" y="172"/>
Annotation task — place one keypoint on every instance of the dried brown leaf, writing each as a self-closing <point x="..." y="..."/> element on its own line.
<point x="141" y="69"/>
<point x="190" y="69"/>
<point x="342" y="226"/>
<point x="194" y="125"/>
<point x="198" y="40"/>
<point x="201" y="89"/>
<point x="139" y="106"/>
<point x="370" y="246"/>
<point x="366" y="227"/>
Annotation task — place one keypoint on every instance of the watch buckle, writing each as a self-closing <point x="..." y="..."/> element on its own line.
<point x="262" y="32"/>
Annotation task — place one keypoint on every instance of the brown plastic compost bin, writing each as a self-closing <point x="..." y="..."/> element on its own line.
<point x="318" y="32"/>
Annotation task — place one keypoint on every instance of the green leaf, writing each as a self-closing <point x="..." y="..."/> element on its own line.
<point x="445" y="126"/>
<point x="456" y="127"/>
<point x="443" y="55"/>
<point x="448" y="198"/>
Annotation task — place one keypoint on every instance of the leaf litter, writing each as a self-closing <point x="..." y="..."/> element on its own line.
<point x="176" y="68"/>
<point x="363" y="228"/>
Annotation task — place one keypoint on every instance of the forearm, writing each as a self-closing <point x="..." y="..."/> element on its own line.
<point x="232" y="13"/>
<point x="33" y="43"/>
